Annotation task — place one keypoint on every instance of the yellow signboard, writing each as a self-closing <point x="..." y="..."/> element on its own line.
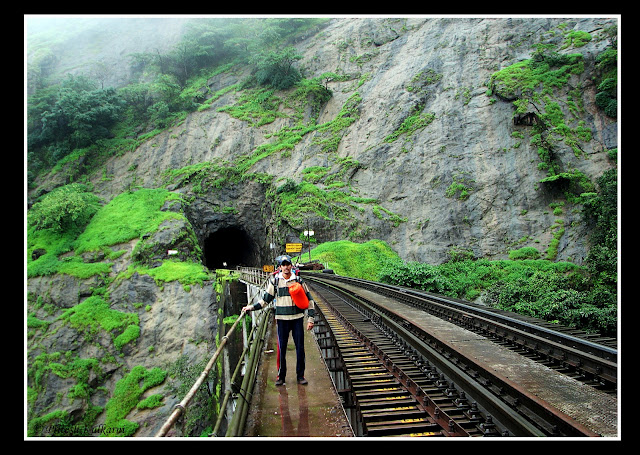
<point x="294" y="247"/>
<point x="268" y="268"/>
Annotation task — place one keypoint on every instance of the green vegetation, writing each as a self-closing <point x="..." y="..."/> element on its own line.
<point x="44" y="255"/>
<point x="527" y="252"/>
<point x="72" y="116"/>
<point x="540" y="85"/>
<point x="323" y="194"/>
<point x="414" y="122"/>
<point x="127" y="395"/>
<point x="584" y="297"/>
<point x="422" y="80"/>
<point x="275" y="89"/>
<point x="68" y="208"/>
<point x="359" y="260"/>
<point x="533" y="84"/>
<point x="65" y="366"/>
<point x="79" y="119"/>
<point x="128" y="216"/>
<point x="554" y="291"/>
<point x="601" y="210"/>
<point x="275" y="68"/>
<point x="206" y="403"/>
<point x="545" y="71"/>
<point x="460" y="187"/>
<point x="95" y="313"/>
<point x="187" y="273"/>
<point x="607" y="96"/>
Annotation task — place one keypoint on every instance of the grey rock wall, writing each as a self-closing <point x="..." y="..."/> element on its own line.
<point x="470" y="141"/>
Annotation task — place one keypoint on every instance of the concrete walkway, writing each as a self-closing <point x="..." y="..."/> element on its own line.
<point x="293" y="410"/>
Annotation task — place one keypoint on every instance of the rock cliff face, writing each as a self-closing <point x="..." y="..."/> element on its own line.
<point x="397" y="68"/>
<point x="425" y="148"/>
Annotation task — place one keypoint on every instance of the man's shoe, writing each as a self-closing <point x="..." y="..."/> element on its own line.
<point x="303" y="381"/>
<point x="279" y="382"/>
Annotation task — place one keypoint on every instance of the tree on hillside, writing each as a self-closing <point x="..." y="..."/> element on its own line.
<point x="275" y="68"/>
<point x="73" y="115"/>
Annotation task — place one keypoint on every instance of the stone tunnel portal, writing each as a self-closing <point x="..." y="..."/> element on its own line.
<point x="231" y="246"/>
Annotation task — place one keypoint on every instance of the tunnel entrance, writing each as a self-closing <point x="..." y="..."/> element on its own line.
<point x="228" y="248"/>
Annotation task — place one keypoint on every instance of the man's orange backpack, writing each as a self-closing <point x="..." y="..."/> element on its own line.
<point x="298" y="295"/>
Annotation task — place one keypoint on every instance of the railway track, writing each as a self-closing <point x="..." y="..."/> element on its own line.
<point x="397" y="380"/>
<point x="590" y="358"/>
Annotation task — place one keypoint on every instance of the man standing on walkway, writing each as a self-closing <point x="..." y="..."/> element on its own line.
<point x="289" y="317"/>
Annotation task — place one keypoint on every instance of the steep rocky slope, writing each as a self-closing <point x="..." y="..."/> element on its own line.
<point x="416" y="146"/>
<point x="440" y="69"/>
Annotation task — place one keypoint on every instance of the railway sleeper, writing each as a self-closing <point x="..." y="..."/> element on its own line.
<point x="404" y="427"/>
<point x="381" y="402"/>
<point x="381" y="392"/>
<point x="386" y="414"/>
<point x="372" y="384"/>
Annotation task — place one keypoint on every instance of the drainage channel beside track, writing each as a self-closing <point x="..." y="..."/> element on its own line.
<point x="396" y="381"/>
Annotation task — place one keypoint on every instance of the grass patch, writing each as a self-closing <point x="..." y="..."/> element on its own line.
<point x="126" y="396"/>
<point x="128" y="216"/>
<point x="95" y="313"/>
<point x="187" y="273"/>
<point x="359" y="260"/>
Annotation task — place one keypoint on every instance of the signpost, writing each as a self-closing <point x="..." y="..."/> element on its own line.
<point x="293" y="247"/>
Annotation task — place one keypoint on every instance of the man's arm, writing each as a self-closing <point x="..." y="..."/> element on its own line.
<point x="267" y="297"/>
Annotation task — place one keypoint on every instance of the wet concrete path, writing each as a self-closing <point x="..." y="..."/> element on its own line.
<point x="293" y="410"/>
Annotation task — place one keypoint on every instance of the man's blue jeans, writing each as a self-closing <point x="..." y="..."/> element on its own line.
<point x="295" y="327"/>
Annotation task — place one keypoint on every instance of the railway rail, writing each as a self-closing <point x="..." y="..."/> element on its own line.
<point x="588" y="357"/>
<point x="396" y="379"/>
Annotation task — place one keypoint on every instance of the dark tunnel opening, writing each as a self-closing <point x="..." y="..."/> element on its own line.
<point x="228" y="248"/>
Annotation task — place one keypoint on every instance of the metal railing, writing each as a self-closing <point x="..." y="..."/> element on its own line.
<point x="254" y="276"/>
<point x="238" y="420"/>
<point x="252" y="352"/>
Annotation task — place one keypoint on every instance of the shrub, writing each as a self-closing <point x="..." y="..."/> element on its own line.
<point x="276" y="69"/>
<point x="528" y="252"/>
<point x="553" y="291"/>
<point x="68" y="208"/>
